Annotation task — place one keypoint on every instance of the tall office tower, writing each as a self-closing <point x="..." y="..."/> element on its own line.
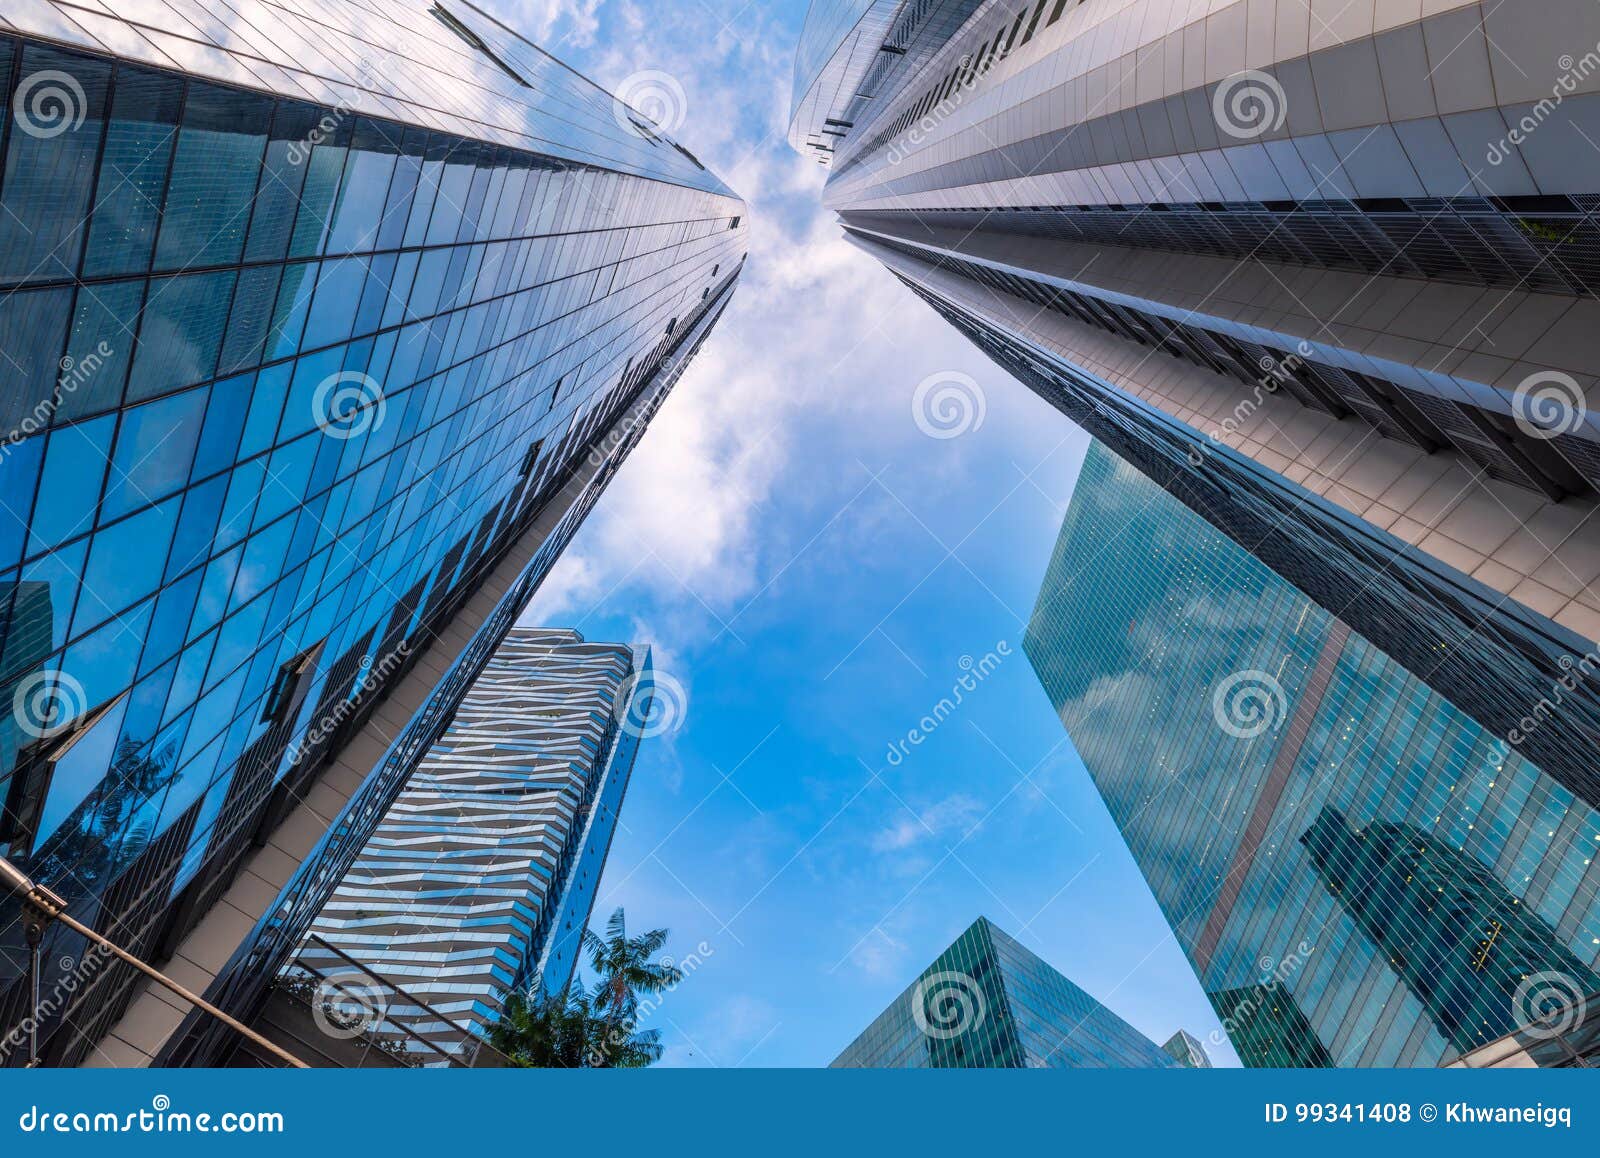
<point x="988" y="1003"/>
<point x="324" y="323"/>
<point x="1358" y="871"/>
<point x="480" y="880"/>
<point x="1326" y="274"/>
<point x="1188" y="1051"/>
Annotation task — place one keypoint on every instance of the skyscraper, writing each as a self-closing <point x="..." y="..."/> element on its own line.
<point x="1358" y="871"/>
<point x="988" y="1003"/>
<point x="1326" y="277"/>
<point x="1187" y="1050"/>
<point x="481" y="878"/>
<point x="325" y="325"/>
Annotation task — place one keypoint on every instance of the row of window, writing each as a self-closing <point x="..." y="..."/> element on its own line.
<point x="1539" y="244"/>
<point x="1561" y="465"/>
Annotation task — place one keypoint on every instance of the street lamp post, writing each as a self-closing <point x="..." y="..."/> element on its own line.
<point x="41" y="907"/>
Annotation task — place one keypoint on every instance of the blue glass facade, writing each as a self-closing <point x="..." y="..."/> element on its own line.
<point x="285" y="379"/>
<point x="988" y="1003"/>
<point x="1360" y="873"/>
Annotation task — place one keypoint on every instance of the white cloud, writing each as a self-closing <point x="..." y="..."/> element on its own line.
<point x="552" y="24"/>
<point x="957" y="813"/>
<point x="880" y="955"/>
<point x="818" y="338"/>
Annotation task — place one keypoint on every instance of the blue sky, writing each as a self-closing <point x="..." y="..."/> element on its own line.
<point x="817" y="572"/>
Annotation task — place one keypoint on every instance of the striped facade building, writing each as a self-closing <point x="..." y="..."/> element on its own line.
<point x="1324" y="272"/>
<point x="480" y="879"/>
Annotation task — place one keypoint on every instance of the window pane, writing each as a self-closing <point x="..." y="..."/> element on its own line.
<point x="155" y="447"/>
<point x="213" y="177"/>
<point x="51" y="583"/>
<point x="282" y="174"/>
<point x="181" y="333"/>
<point x="33" y="331"/>
<point x="125" y="563"/>
<point x="133" y="171"/>
<point x="69" y="489"/>
<point x="252" y="316"/>
<point x="333" y="309"/>
<point x="19" y="475"/>
<point x="101" y="348"/>
<point x="366" y="186"/>
<point x="318" y="195"/>
<point x="57" y="110"/>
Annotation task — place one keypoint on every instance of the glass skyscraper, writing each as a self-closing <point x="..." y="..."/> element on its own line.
<point x="481" y="878"/>
<point x="988" y="1003"/>
<point x="323" y="326"/>
<point x="1358" y="871"/>
<point x="1187" y="1050"/>
<point x="1327" y="278"/>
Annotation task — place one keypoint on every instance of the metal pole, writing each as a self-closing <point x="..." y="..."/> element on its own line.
<point x="53" y="908"/>
<point x="33" y="1022"/>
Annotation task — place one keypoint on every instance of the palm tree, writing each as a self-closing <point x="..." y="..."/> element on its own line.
<point x="552" y="1031"/>
<point x="625" y="967"/>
